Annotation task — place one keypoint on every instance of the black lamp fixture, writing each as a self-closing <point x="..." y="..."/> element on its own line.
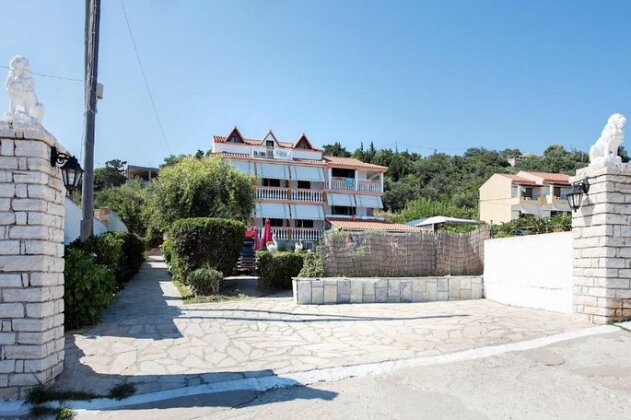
<point x="71" y="170"/>
<point x="575" y="196"/>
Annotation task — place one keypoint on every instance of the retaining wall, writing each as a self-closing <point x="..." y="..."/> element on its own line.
<point x="530" y="271"/>
<point x="334" y="290"/>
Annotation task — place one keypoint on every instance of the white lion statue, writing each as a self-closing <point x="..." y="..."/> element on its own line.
<point x="605" y="150"/>
<point x="23" y="104"/>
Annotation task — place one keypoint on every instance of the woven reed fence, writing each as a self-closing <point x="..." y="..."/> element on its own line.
<point x="409" y="254"/>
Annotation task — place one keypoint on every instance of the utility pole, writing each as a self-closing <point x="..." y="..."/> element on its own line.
<point x="92" y="23"/>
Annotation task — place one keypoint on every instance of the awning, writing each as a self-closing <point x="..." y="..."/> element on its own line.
<point x="308" y="212"/>
<point x="242" y="166"/>
<point x="307" y="173"/>
<point x="272" y="210"/>
<point x="340" y="200"/>
<point x="269" y="170"/>
<point x="369" y="201"/>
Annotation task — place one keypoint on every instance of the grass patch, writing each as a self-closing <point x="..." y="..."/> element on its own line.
<point x="40" y="395"/>
<point x="188" y="297"/>
<point x="63" y="413"/>
<point x="122" y="391"/>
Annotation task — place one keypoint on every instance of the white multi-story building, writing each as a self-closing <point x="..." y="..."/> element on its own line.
<point x="298" y="188"/>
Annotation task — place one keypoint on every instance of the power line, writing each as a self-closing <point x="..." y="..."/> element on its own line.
<point x="144" y="77"/>
<point x="52" y="76"/>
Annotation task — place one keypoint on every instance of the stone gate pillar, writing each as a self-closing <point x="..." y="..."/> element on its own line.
<point x="31" y="252"/>
<point x="602" y="236"/>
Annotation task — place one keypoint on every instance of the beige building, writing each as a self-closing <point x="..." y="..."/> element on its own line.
<point x="505" y="197"/>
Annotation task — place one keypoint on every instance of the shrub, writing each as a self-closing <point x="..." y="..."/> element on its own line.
<point x="121" y="252"/>
<point x="312" y="265"/>
<point x="206" y="242"/>
<point x="106" y="249"/>
<point x="133" y="254"/>
<point x="204" y="281"/>
<point x="276" y="269"/>
<point x="89" y="289"/>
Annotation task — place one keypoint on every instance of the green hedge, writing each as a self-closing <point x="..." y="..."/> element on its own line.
<point x="89" y="289"/>
<point x="204" y="281"/>
<point x="205" y="242"/>
<point x="121" y="252"/>
<point x="276" y="269"/>
<point x="133" y="254"/>
<point x="312" y="265"/>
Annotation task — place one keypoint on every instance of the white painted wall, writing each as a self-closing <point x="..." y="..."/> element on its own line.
<point x="72" y="226"/>
<point x="530" y="271"/>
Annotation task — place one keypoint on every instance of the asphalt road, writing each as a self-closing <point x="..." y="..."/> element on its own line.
<point x="584" y="378"/>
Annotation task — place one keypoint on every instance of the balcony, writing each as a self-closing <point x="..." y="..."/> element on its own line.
<point x="286" y="194"/>
<point x="369" y="186"/>
<point x="293" y="234"/>
<point x="351" y="184"/>
<point x="342" y="184"/>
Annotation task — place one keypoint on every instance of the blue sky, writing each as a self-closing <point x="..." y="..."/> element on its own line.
<point x="443" y="75"/>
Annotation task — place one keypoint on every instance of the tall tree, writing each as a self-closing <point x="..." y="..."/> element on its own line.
<point x="111" y="175"/>
<point x="336" y="149"/>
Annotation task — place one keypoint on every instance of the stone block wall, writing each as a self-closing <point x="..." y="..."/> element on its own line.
<point x="334" y="290"/>
<point x="602" y="245"/>
<point x="31" y="261"/>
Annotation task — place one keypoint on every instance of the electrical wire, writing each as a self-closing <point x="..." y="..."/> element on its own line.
<point x="52" y="76"/>
<point x="144" y="77"/>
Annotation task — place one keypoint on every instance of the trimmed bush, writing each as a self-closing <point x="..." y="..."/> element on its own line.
<point x="203" y="242"/>
<point x="312" y="265"/>
<point x="204" y="281"/>
<point x="89" y="289"/>
<point x="276" y="269"/>
<point x="121" y="252"/>
<point x="133" y="254"/>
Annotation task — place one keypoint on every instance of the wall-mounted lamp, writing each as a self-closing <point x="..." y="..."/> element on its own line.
<point x="71" y="170"/>
<point x="575" y="196"/>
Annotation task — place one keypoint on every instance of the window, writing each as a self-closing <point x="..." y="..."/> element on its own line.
<point x="269" y="143"/>
<point x="343" y="173"/>
<point x="233" y="139"/>
<point x="276" y="222"/>
<point x="527" y="192"/>
<point x="343" y="210"/>
<point x="557" y="191"/>
<point x="301" y="223"/>
<point x="269" y="182"/>
<point x="304" y="185"/>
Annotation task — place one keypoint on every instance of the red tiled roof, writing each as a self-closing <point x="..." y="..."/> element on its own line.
<point x="520" y="180"/>
<point x="551" y="177"/>
<point x="255" y="142"/>
<point x="346" y="224"/>
<point x="352" y="163"/>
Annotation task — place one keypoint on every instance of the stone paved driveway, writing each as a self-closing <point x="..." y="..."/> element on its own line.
<point x="150" y="338"/>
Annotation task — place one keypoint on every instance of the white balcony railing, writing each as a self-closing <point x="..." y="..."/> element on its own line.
<point x="284" y="194"/>
<point x="294" y="234"/>
<point x="351" y="184"/>
<point x="369" y="186"/>
<point x="306" y="195"/>
<point x="342" y="184"/>
<point x="271" y="193"/>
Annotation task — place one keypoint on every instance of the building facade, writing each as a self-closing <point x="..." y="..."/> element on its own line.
<point x="505" y="197"/>
<point x="298" y="188"/>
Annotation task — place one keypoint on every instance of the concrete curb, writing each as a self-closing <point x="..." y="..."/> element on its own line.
<point x="305" y="378"/>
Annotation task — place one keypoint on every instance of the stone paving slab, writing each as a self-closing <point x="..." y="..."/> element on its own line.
<point x="149" y="337"/>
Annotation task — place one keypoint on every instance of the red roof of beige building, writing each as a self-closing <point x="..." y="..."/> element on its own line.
<point x="549" y="177"/>
<point x="521" y="181"/>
